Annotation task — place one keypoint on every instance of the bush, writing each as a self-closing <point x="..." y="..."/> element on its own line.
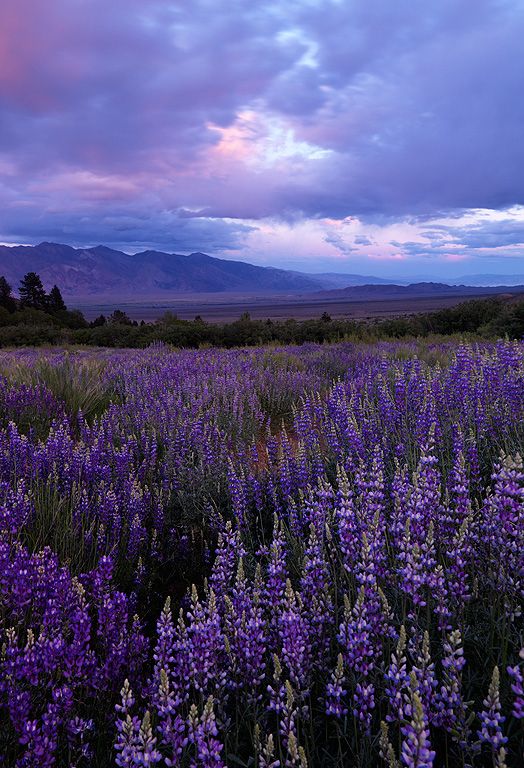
<point x="32" y="335"/>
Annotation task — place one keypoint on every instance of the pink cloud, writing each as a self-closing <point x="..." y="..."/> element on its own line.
<point x="455" y="257"/>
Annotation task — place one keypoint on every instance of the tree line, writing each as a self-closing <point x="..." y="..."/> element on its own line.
<point x="32" y="294"/>
<point x="37" y="318"/>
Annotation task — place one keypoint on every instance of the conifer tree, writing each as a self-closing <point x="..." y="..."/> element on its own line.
<point x="32" y="292"/>
<point x="55" y="302"/>
<point x="6" y="299"/>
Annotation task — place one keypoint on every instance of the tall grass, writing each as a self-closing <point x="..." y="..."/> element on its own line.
<point x="82" y="385"/>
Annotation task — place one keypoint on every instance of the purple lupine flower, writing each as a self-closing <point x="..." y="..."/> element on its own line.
<point x="397" y="682"/>
<point x="245" y="635"/>
<point x="288" y="721"/>
<point x="460" y="506"/>
<point x="412" y="577"/>
<point x="79" y="733"/>
<point x="424" y="672"/>
<point x="164" y="650"/>
<point x="348" y="524"/>
<point x="205" y="645"/>
<point x="416" y="749"/>
<point x="228" y="551"/>
<point x="505" y="526"/>
<point x="236" y="481"/>
<point x="286" y="466"/>
<point x="451" y="708"/>
<point x="295" y="640"/>
<point x="364" y="703"/>
<point x="372" y="500"/>
<point x="425" y="503"/>
<point x="172" y="727"/>
<point x="366" y="567"/>
<point x="316" y="598"/>
<point x="128" y="728"/>
<point x="490" y="717"/>
<point x="275" y="582"/>
<point x="296" y="757"/>
<point x="147" y="754"/>
<point x="517" y="686"/>
<point x="459" y="557"/>
<point x="386" y="751"/>
<point x="266" y="752"/>
<point x="203" y="733"/>
<point x="335" y="691"/>
<point x="401" y="489"/>
<point x="355" y="636"/>
<point x="277" y="690"/>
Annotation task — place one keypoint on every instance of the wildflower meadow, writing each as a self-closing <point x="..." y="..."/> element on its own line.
<point x="268" y="557"/>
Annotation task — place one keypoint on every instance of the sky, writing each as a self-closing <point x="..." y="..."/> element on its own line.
<point x="360" y="136"/>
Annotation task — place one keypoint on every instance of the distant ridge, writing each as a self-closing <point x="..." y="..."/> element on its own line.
<point x="413" y="290"/>
<point x="105" y="273"/>
<point x="102" y="271"/>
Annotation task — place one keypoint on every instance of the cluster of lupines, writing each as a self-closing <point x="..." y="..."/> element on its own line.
<point x="370" y="628"/>
<point x="67" y="642"/>
<point x="353" y="519"/>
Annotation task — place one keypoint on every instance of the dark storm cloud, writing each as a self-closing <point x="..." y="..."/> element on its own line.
<point x="120" y="120"/>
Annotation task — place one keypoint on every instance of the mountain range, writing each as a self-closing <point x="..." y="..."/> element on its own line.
<point x="413" y="290"/>
<point x="105" y="273"/>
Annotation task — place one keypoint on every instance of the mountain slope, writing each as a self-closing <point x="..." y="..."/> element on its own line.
<point x="102" y="271"/>
<point x="105" y="273"/>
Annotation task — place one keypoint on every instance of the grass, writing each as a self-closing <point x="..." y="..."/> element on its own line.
<point x="82" y="386"/>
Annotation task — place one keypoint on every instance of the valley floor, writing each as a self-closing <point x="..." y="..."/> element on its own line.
<point x="223" y="308"/>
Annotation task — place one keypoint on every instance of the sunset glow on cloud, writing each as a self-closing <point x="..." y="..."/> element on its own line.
<point x="354" y="136"/>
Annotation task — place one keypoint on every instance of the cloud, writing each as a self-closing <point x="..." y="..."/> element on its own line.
<point x="490" y="234"/>
<point x="363" y="240"/>
<point x="339" y="243"/>
<point x="196" y="123"/>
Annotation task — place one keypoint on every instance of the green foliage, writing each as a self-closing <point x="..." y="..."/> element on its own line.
<point x="55" y="302"/>
<point x="282" y="361"/>
<point x="119" y="317"/>
<point x="70" y="318"/>
<point x="34" y="317"/>
<point x="32" y="293"/>
<point x="5" y="317"/>
<point x="25" y="335"/>
<point x="80" y="385"/>
<point x="54" y="526"/>
<point x="42" y="319"/>
<point x="6" y="300"/>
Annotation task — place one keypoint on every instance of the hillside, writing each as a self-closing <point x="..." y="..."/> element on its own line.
<point x="102" y="271"/>
<point x="105" y="273"/>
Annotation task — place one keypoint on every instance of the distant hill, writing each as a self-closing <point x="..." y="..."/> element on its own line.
<point x="489" y="280"/>
<point x="342" y="280"/>
<point x="418" y="290"/>
<point x="102" y="271"/>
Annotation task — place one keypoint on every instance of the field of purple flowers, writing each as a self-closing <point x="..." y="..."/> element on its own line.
<point x="308" y="556"/>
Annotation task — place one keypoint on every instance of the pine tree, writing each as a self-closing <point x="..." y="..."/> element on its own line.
<point x="6" y="299"/>
<point x="119" y="318"/>
<point x="32" y="292"/>
<point x="55" y="301"/>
